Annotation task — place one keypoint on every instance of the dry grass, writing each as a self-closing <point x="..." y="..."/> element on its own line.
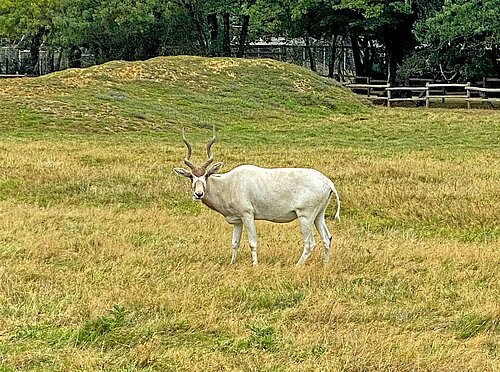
<point x="107" y="264"/>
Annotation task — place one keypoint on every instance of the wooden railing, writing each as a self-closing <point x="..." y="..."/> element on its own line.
<point x="428" y="93"/>
<point x="484" y="97"/>
<point x="400" y="99"/>
<point x="443" y="92"/>
<point x="11" y="76"/>
<point x="369" y="88"/>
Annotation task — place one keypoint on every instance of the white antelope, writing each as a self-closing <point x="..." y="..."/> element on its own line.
<point x="248" y="193"/>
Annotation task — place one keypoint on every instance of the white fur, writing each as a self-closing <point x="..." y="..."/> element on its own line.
<point x="248" y="193"/>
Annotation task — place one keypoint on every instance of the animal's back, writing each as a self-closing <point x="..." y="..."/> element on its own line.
<point x="286" y="178"/>
<point x="276" y="194"/>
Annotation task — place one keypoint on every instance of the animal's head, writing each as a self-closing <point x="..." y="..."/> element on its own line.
<point x="198" y="174"/>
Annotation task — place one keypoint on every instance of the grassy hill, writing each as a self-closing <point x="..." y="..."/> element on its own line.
<point x="249" y="101"/>
<point x="107" y="264"/>
<point x="163" y="93"/>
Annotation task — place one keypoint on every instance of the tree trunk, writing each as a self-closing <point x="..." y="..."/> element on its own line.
<point x="391" y="68"/>
<point x="495" y="56"/>
<point x="309" y="53"/>
<point x="57" y="67"/>
<point x="36" y="42"/>
<point x="51" y="67"/>
<point x="226" y="43"/>
<point x="214" y="33"/>
<point x="243" y="36"/>
<point x="74" y="57"/>
<point x="391" y="56"/>
<point x="367" y="53"/>
<point x="152" y="45"/>
<point x="356" y="53"/>
<point x="202" y="39"/>
<point x="333" y="55"/>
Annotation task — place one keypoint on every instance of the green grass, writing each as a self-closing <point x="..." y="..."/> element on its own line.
<point x="107" y="264"/>
<point x="164" y="93"/>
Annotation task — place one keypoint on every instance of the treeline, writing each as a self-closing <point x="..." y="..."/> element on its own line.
<point x="449" y="40"/>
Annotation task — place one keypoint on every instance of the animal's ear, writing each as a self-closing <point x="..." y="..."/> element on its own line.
<point x="214" y="168"/>
<point x="182" y="172"/>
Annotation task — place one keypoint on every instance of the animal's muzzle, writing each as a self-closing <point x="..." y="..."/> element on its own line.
<point x="198" y="190"/>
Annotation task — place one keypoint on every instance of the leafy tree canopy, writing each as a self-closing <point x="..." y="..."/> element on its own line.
<point x="457" y="38"/>
<point x="462" y="39"/>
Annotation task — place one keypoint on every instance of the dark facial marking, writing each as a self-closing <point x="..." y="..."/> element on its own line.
<point x="198" y="171"/>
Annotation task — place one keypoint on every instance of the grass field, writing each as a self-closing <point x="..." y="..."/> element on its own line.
<point x="107" y="264"/>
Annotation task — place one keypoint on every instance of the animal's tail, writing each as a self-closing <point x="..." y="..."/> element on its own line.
<point x="334" y="190"/>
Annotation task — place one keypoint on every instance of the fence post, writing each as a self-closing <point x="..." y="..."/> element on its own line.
<point x="388" y="95"/>
<point x="468" y="95"/>
<point x="427" y="103"/>
<point x="368" y="91"/>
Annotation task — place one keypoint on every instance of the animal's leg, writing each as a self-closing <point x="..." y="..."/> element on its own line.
<point x="249" y="223"/>
<point x="306" y="226"/>
<point x="235" y="244"/>
<point x="325" y="235"/>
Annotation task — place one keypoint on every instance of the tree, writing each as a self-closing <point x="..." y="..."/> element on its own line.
<point x="370" y="24"/>
<point x="239" y="11"/>
<point x="459" y="38"/>
<point x="245" y="24"/>
<point x="319" y="19"/>
<point x="115" y="29"/>
<point x="389" y="23"/>
<point x="303" y="19"/>
<point x="462" y="39"/>
<point x="29" y="22"/>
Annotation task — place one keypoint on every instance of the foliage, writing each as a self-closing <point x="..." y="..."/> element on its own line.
<point x="389" y="23"/>
<point x="456" y="39"/>
<point x="461" y="21"/>
<point x="18" y="17"/>
<point x="29" y="23"/>
<point x="463" y="39"/>
<point x="115" y="29"/>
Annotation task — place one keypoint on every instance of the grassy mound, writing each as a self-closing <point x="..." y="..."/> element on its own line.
<point x="167" y="92"/>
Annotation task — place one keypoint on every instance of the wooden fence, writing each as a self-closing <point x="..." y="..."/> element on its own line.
<point x="483" y="94"/>
<point x="12" y="76"/>
<point x="430" y="92"/>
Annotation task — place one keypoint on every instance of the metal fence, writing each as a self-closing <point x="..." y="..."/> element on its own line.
<point x="298" y="54"/>
<point x="18" y="61"/>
